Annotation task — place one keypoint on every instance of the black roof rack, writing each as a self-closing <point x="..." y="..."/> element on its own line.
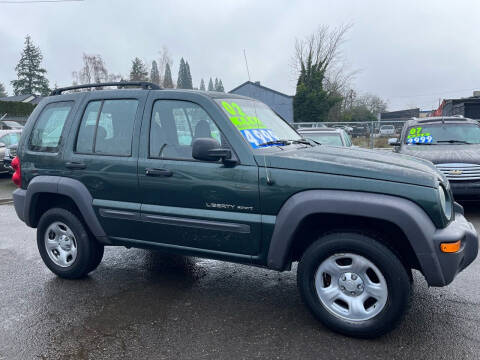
<point x="143" y="84"/>
<point x="441" y="119"/>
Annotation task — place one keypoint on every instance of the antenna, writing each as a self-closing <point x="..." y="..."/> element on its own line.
<point x="269" y="180"/>
<point x="246" y="64"/>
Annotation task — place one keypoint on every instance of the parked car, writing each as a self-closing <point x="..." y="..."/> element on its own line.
<point x="7" y="138"/>
<point x="452" y="144"/>
<point x="360" y="130"/>
<point x="10" y="125"/>
<point x="10" y="153"/>
<point x="327" y="136"/>
<point x="347" y="129"/>
<point x="386" y="130"/>
<point x="106" y="167"/>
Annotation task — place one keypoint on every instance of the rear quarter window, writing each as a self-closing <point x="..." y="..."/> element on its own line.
<point x="47" y="131"/>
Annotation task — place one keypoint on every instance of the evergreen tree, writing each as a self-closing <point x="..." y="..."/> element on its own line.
<point x="154" y="74"/>
<point x="220" y="86"/>
<point x="3" y="92"/>
<point x="210" y="85"/>
<point x="188" y="76"/>
<point x="30" y="75"/>
<point x="167" y="77"/>
<point x="215" y="86"/>
<point x="312" y="102"/>
<point x="139" y="71"/>
<point x="202" y="85"/>
<point x="182" y="75"/>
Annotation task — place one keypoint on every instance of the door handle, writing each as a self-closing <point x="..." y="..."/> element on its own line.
<point x="158" y="172"/>
<point x="75" y="165"/>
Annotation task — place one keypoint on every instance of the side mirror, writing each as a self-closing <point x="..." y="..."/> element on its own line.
<point x="208" y="149"/>
<point x="393" y="142"/>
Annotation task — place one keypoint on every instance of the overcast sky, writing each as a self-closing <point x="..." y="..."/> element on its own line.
<point x="410" y="53"/>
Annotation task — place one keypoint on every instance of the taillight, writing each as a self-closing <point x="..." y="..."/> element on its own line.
<point x="17" y="175"/>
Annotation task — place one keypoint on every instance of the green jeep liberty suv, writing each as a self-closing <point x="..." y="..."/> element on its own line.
<point x="222" y="176"/>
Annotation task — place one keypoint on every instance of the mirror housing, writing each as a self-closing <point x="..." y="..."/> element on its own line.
<point x="208" y="149"/>
<point x="393" y="142"/>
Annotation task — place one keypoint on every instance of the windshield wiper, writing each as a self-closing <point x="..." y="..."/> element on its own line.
<point x="453" y="141"/>
<point x="283" y="142"/>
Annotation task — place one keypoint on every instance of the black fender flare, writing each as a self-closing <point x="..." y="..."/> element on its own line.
<point x="71" y="188"/>
<point x="408" y="216"/>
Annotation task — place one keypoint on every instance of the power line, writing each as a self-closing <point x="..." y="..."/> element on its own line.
<point x="35" y="1"/>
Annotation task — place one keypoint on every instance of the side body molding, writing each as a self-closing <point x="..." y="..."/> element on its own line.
<point x="415" y="223"/>
<point x="71" y="188"/>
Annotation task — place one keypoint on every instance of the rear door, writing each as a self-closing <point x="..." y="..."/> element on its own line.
<point x="103" y="154"/>
<point x="190" y="204"/>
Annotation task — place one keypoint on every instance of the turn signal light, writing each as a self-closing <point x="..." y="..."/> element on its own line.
<point x="451" y="247"/>
<point x="17" y="175"/>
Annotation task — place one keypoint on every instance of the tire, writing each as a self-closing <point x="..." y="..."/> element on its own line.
<point x="65" y="244"/>
<point x="354" y="285"/>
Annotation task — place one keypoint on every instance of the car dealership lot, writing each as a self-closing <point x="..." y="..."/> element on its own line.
<point x="143" y="304"/>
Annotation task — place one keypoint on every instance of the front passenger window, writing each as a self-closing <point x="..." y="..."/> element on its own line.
<point x="175" y="125"/>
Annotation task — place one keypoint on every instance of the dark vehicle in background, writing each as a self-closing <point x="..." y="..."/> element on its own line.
<point x="221" y="176"/>
<point x="327" y="136"/>
<point x="360" y="130"/>
<point x="452" y="144"/>
<point x="7" y="139"/>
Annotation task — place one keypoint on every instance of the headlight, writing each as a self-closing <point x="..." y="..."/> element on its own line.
<point x="7" y="152"/>
<point x="445" y="202"/>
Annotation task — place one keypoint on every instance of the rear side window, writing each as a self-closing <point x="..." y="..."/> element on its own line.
<point x="107" y="127"/>
<point x="47" y="131"/>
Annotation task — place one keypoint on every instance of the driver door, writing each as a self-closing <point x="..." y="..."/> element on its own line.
<point x="195" y="205"/>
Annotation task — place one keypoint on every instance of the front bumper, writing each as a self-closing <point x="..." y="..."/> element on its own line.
<point x="450" y="264"/>
<point x="465" y="190"/>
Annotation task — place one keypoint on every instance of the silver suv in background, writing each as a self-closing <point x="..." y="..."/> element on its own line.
<point x="327" y="136"/>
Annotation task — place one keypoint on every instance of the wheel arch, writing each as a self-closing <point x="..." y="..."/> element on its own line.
<point x="339" y="209"/>
<point x="65" y="192"/>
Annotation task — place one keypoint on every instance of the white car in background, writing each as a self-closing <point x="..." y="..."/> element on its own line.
<point x="386" y="130"/>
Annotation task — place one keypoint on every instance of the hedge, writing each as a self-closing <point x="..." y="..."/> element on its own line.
<point x="15" y="108"/>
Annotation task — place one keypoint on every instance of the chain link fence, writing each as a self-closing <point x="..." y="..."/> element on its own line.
<point x="374" y="134"/>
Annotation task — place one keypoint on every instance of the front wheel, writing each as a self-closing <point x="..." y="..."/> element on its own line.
<point x="354" y="284"/>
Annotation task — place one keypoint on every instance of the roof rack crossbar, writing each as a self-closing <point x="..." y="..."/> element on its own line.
<point x="143" y="84"/>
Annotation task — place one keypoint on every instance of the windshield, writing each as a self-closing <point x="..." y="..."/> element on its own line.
<point x="333" y="138"/>
<point x="443" y="134"/>
<point x="257" y="123"/>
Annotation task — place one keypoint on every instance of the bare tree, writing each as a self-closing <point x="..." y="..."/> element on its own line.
<point x="322" y="50"/>
<point x="93" y="70"/>
<point x="164" y="58"/>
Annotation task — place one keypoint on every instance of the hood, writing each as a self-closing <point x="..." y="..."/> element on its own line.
<point x="373" y="164"/>
<point x="444" y="154"/>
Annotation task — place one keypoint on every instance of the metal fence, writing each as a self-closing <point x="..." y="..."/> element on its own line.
<point x="374" y="134"/>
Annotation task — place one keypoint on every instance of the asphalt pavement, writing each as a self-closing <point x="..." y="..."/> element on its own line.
<point x="6" y="188"/>
<point x="147" y="305"/>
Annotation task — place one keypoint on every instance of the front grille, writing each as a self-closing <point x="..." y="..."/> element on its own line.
<point x="460" y="171"/>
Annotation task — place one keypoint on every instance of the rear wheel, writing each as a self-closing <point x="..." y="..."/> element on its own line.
<point x="65" y="245"/>
<point x="354" y="284"/>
